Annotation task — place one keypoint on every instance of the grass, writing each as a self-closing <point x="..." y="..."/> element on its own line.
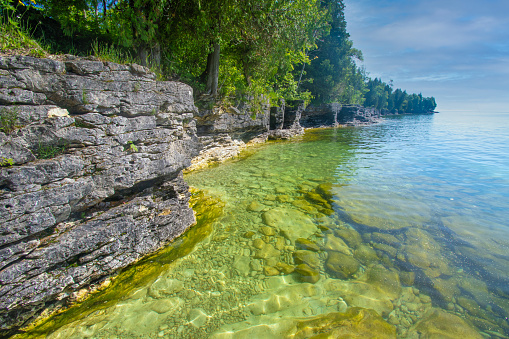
<point x="8" y="118"/>
<point x="112" y="53"/>
<point x="48" y="151"/>
<point x="16" y="38"/>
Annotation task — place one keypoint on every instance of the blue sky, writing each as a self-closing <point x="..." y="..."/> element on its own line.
<point x="454" y="50"/>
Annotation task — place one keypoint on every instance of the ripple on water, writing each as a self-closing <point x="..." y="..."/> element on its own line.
<point x="315" y="239"/>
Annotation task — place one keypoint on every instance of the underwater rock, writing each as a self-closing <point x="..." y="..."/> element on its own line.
<point x="242" y="264"/>
<point x="284" y="198"/>
<point x="258" y="243"/>
<point x="163" y="287"/>
<point x="365" y="254"/>
<point x="336" y="244"/>
<point x="391" y="251"/>
<point x="270" y="271"/>
<point x="354" y="323"/>
<point x="446" y="289"/>
<point x="166" y="305"/>
<point x="424" y="252"/>
<point x="198" y="317"/>
<point x="280" y="243"/>
<point x="440" y="324"/>
<point x="291" y="299"/>
<point x="386" y="280"/>
<point x="285" y="268"/>
<point x="325" y="190"/>
<point x="361" y="294"/>
<point x="387" y="212"/>
<point x="341" y="266"/>
<point x="249" y="234"/>
<point x="266" y="252"/>
<point x="350" y="236"/>
<point x="476" y="288"/>
<point x="318" y="199"/>
<point x="255" y="206"/>
<point x="307" y="273"/>
<point x="470" y="306"/>
<point x="268" y="231"/>
<point x="270" y="197"/>
<point x="305" y="244"/>
<point x="306" y="257"/>
<point x="384" y="238"/>
<point x="407" y="278"/>
<point x="305" y="206"/>
<point x="291" y="222"/>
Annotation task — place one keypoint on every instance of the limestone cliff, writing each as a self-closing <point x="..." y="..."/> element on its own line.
<point x="97" y="151"/>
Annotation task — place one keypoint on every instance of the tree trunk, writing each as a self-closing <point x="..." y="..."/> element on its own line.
<point x="150" y="57"/>
<point x="213" y="70"/>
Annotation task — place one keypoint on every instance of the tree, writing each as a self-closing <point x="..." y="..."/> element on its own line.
<point x="332" y="65"/>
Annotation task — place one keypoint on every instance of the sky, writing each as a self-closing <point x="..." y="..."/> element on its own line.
<point x="454" y="50"/>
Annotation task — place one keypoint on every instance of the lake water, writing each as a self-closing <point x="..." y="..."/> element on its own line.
<point x="402" y="225"/>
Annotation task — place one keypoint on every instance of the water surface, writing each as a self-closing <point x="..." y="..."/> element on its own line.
<point x="407" y="218"/>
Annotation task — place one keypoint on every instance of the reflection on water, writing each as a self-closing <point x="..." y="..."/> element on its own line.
<point x="394" y="229"/>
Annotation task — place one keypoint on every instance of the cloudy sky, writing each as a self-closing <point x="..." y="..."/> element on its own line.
<point x="454" y="50"/>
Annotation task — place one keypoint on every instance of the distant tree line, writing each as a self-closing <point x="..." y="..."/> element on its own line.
<point x="381" y="96"/>
<point x="275" y="49"/>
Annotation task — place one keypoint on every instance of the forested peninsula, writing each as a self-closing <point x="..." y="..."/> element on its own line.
<point x="104" y="104"/>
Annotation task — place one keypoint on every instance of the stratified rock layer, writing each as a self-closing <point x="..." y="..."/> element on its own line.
<point x="97" y="151"/>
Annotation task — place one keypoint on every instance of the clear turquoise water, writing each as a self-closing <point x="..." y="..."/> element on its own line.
<point x="419" y="202"/>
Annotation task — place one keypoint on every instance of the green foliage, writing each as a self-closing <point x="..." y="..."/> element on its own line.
<point x="5" y="162"/>
<point x="381" y="96"/>
<point x="15" y="33"/>
<point x="265" y="49"/>
<point x="8" y="119"/>
<point x="131" y="147"/>
<point x="332" y="75"/>
<point x="84" y="98"/>
<point x="51" y="150"/>
<point x="112" y="53"/>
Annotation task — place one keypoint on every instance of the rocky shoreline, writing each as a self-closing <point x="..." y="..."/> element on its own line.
<point x="92" y="155"/>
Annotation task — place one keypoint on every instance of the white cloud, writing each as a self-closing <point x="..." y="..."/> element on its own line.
<point x="452" y="49"/>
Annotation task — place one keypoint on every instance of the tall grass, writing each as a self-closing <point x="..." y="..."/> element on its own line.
<point x="106" y="52"/>
<point x="16" y="36"/>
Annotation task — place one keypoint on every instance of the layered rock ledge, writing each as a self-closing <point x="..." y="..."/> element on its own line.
<point x="92" y="155"/>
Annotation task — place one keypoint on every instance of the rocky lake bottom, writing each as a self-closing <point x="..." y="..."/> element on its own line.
<point x="377" y="231"/>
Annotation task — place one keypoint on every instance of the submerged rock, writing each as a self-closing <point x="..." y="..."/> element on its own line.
<point x="307" y="273"/>
<point x="255" y="206"/>
<point x="336" y="244"/>
<point x="341" y="266"/>
<point x="440" y="324"/>
<point x="365" y="254"/>
<point x="306" y="244"/>
<point x="361" y="294"/>
<point x="387" y="212"/>
<point x="386" y="280"/>
<point x="291" y="222"/>
<point x="306" y="257"/>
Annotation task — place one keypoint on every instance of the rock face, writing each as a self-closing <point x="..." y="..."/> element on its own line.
<point x="97" y="150"/>
<point x="323" y="115"/>
<point x="335" y="114"/>
<point x="224" y="130"/>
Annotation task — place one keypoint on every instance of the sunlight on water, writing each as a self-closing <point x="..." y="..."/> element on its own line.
<point x="395" y="229"/>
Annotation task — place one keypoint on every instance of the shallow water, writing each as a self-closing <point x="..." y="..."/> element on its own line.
<point x="407" y="218"/>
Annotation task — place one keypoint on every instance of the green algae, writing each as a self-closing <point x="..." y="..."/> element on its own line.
<point x="207" y="209"/>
